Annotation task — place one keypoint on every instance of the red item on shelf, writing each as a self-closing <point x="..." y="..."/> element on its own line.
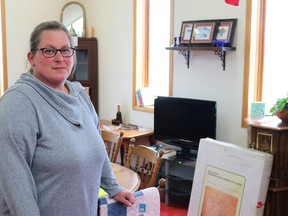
<point x="232" y="2"/>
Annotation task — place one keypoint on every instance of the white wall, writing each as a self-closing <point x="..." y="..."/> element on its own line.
<point x="113" y="23"/>
<point x="205" y="78"/>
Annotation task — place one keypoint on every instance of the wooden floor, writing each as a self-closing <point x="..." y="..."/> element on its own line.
<point x="172" y="210"/>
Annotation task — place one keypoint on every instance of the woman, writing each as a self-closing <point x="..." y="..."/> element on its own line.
<point x="52" y="157"/>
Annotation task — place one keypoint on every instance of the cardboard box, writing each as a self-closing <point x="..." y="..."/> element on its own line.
<point x="229" y="180"/>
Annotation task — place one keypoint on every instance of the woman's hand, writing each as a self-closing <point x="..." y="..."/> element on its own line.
<point x="125" y="197"/>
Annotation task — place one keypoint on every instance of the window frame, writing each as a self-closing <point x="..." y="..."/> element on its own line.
<point x="253" y="82"/>
<point x="145" y="45"/>
<point x="3" y="61"/>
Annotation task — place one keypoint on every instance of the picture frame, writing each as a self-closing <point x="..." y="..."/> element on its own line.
<point x="186" y="32"/>
<point x="226" y="31"/>
<point x="204" y="32"/>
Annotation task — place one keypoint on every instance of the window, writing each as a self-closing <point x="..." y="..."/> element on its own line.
<point x="265" y="61"/>
<point x="152" y="33"/>
<point x="275" y="59"/>
<point x="3" y="64"/>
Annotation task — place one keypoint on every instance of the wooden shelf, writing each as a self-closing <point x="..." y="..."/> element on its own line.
<point x="185" y="51"/>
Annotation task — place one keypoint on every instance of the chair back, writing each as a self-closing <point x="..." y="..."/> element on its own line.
<point x="144" y="161"/>
<point x="113" y="142"/>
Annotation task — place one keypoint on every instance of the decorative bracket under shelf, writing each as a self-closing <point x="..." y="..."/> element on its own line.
<point x="186" y="54"/>
<point x="222" y="55"/>
<point x="219" y="51"/>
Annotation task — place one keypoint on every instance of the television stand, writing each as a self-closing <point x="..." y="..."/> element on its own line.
<point x="178" y="170"/>
<point x="181" y="143"/>
<point x="187" y="154"/>
<point x="179" y="174"/>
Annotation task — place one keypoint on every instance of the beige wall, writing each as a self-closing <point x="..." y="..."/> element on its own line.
<point x="113" y="22"/>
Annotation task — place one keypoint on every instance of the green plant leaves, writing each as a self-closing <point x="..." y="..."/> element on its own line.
<point x="281" y="103"/>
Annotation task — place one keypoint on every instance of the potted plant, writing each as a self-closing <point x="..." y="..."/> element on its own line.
<point x="280" y="109"/>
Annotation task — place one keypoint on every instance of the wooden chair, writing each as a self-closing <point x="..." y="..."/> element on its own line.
<point x="113" y="142"/>
<point x="145" y="161"/>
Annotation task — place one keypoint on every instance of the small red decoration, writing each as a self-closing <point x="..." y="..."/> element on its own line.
<point x="260" y="204"/>
<point x="232" y="2"/>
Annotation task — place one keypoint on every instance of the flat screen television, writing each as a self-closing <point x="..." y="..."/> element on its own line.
<point x="182" y="122"/>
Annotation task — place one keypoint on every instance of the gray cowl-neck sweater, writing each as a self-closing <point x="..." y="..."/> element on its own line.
<point x="52" y="157"/>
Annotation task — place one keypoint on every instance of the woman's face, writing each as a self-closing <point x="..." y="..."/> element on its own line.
<point x="52" y="71"/>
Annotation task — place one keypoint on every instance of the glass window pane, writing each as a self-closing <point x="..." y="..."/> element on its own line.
<point x="275" y="59"/>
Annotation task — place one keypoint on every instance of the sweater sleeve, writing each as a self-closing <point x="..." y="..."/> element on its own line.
<point x="18" y="138"/>
<point x="108" y="180"/>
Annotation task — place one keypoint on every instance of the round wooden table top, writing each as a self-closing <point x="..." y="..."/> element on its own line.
<point x="127" y="178"/>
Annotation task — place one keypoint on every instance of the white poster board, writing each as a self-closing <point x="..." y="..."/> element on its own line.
<point x="229" y="180"/>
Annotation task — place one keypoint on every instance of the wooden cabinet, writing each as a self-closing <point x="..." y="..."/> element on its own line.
<point x="271" y="135"/>
<point x="87" y="67"/>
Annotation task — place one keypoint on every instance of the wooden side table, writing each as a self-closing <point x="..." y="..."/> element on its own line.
<point x="142" y="137"/>
<point x="270" y="135"/>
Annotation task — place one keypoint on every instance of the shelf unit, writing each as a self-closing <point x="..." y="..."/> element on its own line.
<point x="87" y="67"/>
<point x="185" y="51"/>
<point x="179" y="178"/>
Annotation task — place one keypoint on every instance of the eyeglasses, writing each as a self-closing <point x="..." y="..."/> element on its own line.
<point x="51" y="52"/>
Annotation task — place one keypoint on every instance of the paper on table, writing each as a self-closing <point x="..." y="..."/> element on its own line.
<point x="111" y="127"/>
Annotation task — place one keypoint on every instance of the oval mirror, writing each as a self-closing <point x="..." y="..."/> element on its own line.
<point x="73" y="16"/>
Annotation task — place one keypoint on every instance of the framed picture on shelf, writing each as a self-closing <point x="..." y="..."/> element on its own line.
<point x="186" y="31"/>
<point x="226" y="31"/>
<point x="203" y="32"/>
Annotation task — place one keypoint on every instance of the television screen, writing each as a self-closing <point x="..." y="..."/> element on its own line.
<point x="183" y="121"/>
